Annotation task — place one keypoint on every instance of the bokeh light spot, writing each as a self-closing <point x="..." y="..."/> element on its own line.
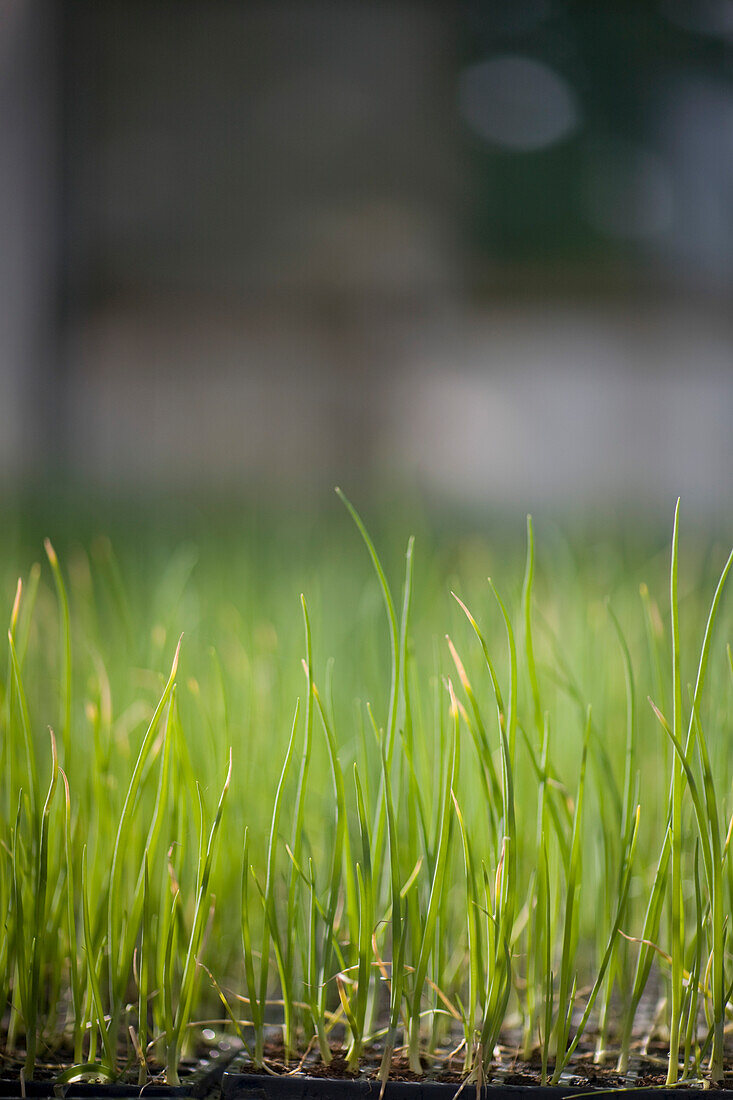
<point x="518" y="103"/>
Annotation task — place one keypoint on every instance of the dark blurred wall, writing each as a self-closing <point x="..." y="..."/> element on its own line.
<point x="264" y="196"/>
<point x="29" y="174"/>
<point x="287" y="147"/>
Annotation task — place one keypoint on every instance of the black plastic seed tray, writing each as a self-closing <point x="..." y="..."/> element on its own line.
<point x="242" y="1086"/>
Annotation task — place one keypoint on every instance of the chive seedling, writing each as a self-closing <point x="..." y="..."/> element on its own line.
<point x="435" y="893"/>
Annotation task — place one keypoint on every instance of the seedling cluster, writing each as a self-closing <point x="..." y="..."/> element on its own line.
<point x="481" y="859"/>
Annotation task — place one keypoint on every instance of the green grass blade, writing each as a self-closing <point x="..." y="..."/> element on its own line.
<point x="256" y="1008"/>
<point x="65" y="633"/>
<point x="117" y="976"/>
<point x="677" y="907"/>
<point x="394" y="637"/>
<point x="183" y="1010"/>
<point x="25" y="726"/>
<point x="645" y="956"/>
<point x="109" y="1052"/>
<point x="568" y="977"/>
<point x="436" y="893"/>
<point x="398" y="926"/>
<point x="528" y="646"/>
<point x="340" y="852"/>
<point x="618" y="916"/>
<point x="39" y="922"/>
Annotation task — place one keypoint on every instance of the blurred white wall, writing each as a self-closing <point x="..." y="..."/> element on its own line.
<point x="575" y="407"/>
<point x="578" y="405"/>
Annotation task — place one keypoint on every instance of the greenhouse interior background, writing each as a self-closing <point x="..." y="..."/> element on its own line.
<point x="477" y="252"/>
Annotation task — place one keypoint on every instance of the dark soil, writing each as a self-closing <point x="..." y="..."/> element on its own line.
<point x="199" y="1074"/>
<point x="203" y="1072"/>
<point x="648" y="1071"/>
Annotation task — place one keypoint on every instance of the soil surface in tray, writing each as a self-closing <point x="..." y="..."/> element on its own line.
<point x="208" y="1062"/>
<point x="49" y="1070"/>
<point x="647" y="1071"/>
